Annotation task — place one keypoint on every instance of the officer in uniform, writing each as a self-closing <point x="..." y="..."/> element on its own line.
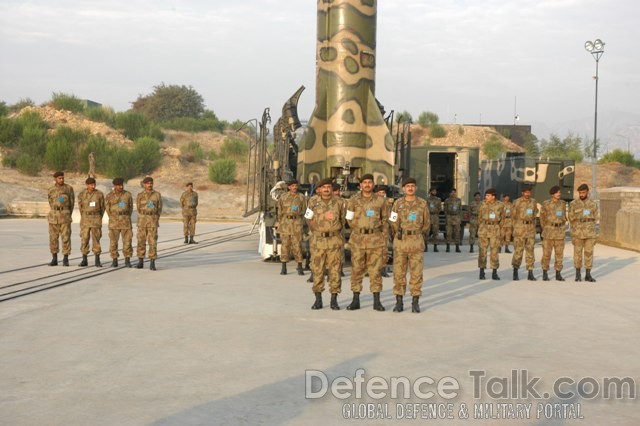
<point x="473" y="220"/>
<point x="507" y="224"/>
<point x="91" y="205"/>
<point x="410" y="222"/>
<point x="490" y="217"/>
<point x="553" y="219"/>
<point x="189" y="203"/>
<point x="453" y="210"/>
<point x="325" y="216"/>
<point x="290" y="209"/>
<point x="524" y="214"/>
<point x="583" y="214"/>
<point x="119" y="206"/>
<point x="149" y="205"/>
<point x="61" y="201"/>
<point x="435" y="204"/>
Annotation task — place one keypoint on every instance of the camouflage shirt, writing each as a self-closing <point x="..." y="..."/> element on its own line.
<point x="189" y="203"/>
<point x="490" y="218"/>
<point x="524" y="214"/>
<point x="326" y="223"/>
<point x="412" y="222"/>
<point x="582" y="217"/>
<point x="473" y="210"/>
<point x="149" y="206"/>
<point x="91" y="205"/>
<point x="119" y="206"/>
<point x="369" y="228"/>
<point x="61" y="201"/>
<point x="553" y="217"/>
<point x="291" y="210"/>
<point x="508" y="209"/>
<point x="453" y="209"/>
<point x="435" y="204"/>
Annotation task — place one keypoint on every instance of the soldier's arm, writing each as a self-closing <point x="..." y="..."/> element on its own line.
<point x="138" y="199"/>
<point x="159" y="204"/>
<point x="102" y="205"/>
<point x="426" y="220"/>
<point x="130" y="203"/>
<point x="72" y="197"/>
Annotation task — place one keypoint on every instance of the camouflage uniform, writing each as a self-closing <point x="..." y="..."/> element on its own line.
<point x="553" y="218"/>
<point x="507" y="224"/>
<point x="119" y="206"/>
<point x="291" y="208"/>
<point x="91" y="205"/>
<point x="524" y="231"/>
<point x="490" y="217"/>
<point x="434" y="203"/>
<point x="582" y="217"/>
<point x="453" y="212"/>
<point x="412" y="222"/>
<point x="473" y="221"/>
<point x="189" y="203"/>
<point x="327" y="244"/>
<point x="149" y="205"/>
<point x="61" y="202"/>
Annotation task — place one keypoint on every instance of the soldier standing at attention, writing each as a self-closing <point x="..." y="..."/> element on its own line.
<point x="189" y="203"/>
<point x="435" y="204"/>
<point x="490" y="217"/>
<point x="61" y="202"/>
<point x="91" y="205"/>
<point x="325" y="217"/>
<point x="367" y="215"/>
<point x="410" y="222"/>
<point x="119" y="206"/>
<point x="290" y="208"/>
<point x="381" y="191"/>
<point x="524" y="213"/>
<point x="553" y="218"/>
<point x="149" y="204"/>
<point x="583" y="214"/>
<point x="507" y="224"/>
<point x="473" y="220"/>
<point x="453" y="210"/>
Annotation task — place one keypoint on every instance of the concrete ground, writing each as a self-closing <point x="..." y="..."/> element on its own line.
<point x="218" y="337"/>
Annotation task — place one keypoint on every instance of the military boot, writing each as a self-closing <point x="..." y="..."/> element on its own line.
<point x="299" y="269"/>
<point x="435" y="248"/>
<point x="127" y="262"/>
<point x="310" y="280"/>
<point x="97" y="261"/>
<point x="307" y="264"/>
<point x="283" y="271"/>
<point x="545" y="275"/>
<point x="458" y="248"/>
<point x="192" y="241"/>
<point x="578" y="275"/>
<point x="334" y="302"/>
<point x="54" y="259"/>
<point x="355" y="303"/>
<point x="482" y="275"/>
<point x="114" y="263"/>
<point x="447" y="250"/>
<point x="186" y="239"/>
<point x="515" y="274"/>
<point x="559" y="276"/>
<point x="318" y="302"/>
<point x="65" y="260"/>
<point x="506" y="249"/>
<point x="152" y="265"/>
<point x="384" y="272"/>
<point x="377" y="306"/>
<point x="140" y="264"/>
<point x="471" y="248"/>
<point x="494" y="275"/>
<point x="530" y="276"/>
<point x="415" y="304"/>
<point x="399" y="304"/>
<point x="84" y="262"/>
<point x="588" y="276"/>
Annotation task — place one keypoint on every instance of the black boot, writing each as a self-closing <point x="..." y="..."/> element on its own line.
<point x="307" y="264"/>
<point x="84" y="262"/>
<point x="152" y="265"/>
<point x="588" y="276"/>
<point x="415" y="304"/>
<point x="500" y="250"/>
<point x="140" y="264"/>
<point x="54" y="259"/>
<point x="192" y="241"/>
<point x="377" y="306"/>
<point x="515" y="274"/>
<point x="471" y="248"/>
<point x="435" y="248"/>
<point x="97" y="261"/>
<point x="384" y="272"/>
<point x="341" y="272"/>
<point x="65" y="260"/>
<point x="530" y="276"/>
<point x="506" y="249"/>
<point x="494" y="275"/>
<point x="318" y="303"/>
<point x="127" y="262"/>
<point x="334" y="302"/>
<point x="559" y="276"/>
<point x="482" y="275"/>
<point x="447" y="250"/>
<point x="283" y="270"/>
<point x="399" y="304"/>
<point x="186" y="239"/>
<point x="114" y="263"/>
<point x="299" y="269"/>
<point x="545" y="275"/>
<point x="355" y="303"/>
<point x="458" y="248"/>
<point x="578" y="275"/>
<point x="310" y="280"/>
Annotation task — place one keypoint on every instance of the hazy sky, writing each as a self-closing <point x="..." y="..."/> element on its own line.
<point x="464" y="60"/>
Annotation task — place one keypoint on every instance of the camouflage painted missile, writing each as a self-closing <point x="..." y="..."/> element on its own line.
<point x="347" y="127"/>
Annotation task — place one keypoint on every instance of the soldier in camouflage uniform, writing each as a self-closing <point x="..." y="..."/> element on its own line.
<point x="453" y="212"/>
<point x="189" y="203"/>
<point x="149" y="205"/>
<point x="367" y="215"/>
<point x="553" y="219"/>
<point x="435" y="204"/>
<point x="325" y="216"/>
<point x="91" y="205"/>
<point x="473" y="220"/>
<point x="507" y="224"/>
<point x="410" y="222"/>
<point x="290" y="208"/>
<point x="119" y="206"/>
<point x="524" y="214"/>
<point x="490" y="217"/>
<point x="61" y="201"/>
<point x="583" y="214"/>
<point x="381" y="191"/>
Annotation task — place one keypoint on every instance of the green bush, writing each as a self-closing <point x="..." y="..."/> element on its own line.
<point x="67" y="102"/>
<point x="10" y="132"/>
<point x="146" y="154"/>
<point x="59" y="155"/>
<point x="492" y="148"/>
<point x="223" y="171"/>
<point x="461" y="130"/>
<point x="155" y="131"/>
<point x="437" y="131"/>
<point x="4" y="109"/>
<point x="102" y="151"/>
<point x="121" y="164"/>
<point x="29" y="164"/>
<point x="194" y="151"/>
<point x="190" y="124"/>
<point x="428" y="118"/>
<point x="234" y="148"/>
<point x="9" y="160"/>
<point x="22" y="103"/>
<point x="134" y="125"/>
<point x="620" y="156"/>
<point x="33" y="141"/>
<point x="102" y="115"/>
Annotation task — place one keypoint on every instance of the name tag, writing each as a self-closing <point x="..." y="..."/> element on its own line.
<point x="308" y="214"/>
<point x="413" y="216"/>
<point x="350" y="215"/>
<point x="92" y="203"/>
<point x="121" y="203"/>
<point x="492" y="215"/>
<point x="586" y="212"/>
<point x="393" y="217"/>
<point x="150" y="204"/>
<point x="507" y="211"/>
<point x="529" y="211"/>
<point x="328" y="215"/>
<point x="369" y="213"/>
<point x="559" y="214"/>
<point x="294" y="208"/>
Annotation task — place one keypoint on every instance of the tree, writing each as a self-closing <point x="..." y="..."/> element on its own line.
<point x="404" y="117"/>
<point x="427" y="118"/>
<point x="569" y="147"/>
<point x="531" y="146"/>
<point x="168" y="102"/>
<point x="492" y="148"/>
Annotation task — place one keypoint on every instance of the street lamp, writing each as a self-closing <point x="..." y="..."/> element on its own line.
<point x="596" y="48"/>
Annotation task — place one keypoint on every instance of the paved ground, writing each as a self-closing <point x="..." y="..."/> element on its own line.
<point x="216" y="336"/>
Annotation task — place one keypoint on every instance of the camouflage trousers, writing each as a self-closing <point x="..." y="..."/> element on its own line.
<point x="60" y="231"/>
<point x="93" y="233"/>
<point x="291" y="244"/>
<point x="148" y="235"/>
<point x="473" y="231"/>
<point x="435" y="228"/>
<point x="583" y="246"/>
<point x="549" y="245"/>
<point x="189" y="224"/>
<point x="520" y="245"/>
<point x="453" y="231"/>
<point x="491" y="244"/>
<point x="507" y="234"/>
<point x="331" y="261"/>
<point x="369" y="260"/>
<point x="114" y="236"/>
<point x="415" y="263"/>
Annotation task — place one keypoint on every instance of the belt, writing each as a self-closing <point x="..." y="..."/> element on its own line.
<point x="327" y="234"/>
<point x="556" y="224"/>
<point x="411" y="232"/>
<point x="122" y="213"/>
<point x="294" y="216"/>
<point x="453" y="214"/>
<point x="586" y="220"/>
<point x="148" y="213"/>
<point x="491" y="222"/>
<point x="368" y="231"/>
<point x="527" y="222"/>
<point x="92" y="213"/>
<point x="60" y="208"/>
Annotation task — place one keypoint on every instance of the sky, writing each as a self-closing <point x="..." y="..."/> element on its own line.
<point x="470" y="62"/>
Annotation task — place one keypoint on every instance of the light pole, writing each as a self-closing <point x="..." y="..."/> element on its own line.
<point x="596" y="48"/>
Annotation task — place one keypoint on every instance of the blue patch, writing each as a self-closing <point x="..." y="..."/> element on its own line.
<point x="121" y="203"/>
<point x="586" y="212"/>
<point x="559" y="213"/>
<point x="294" y="208"/>
<point x="370" y="213"/>
<point x="492" y="215"/>
<point x="413" y="216"/>
<point x="454" y="207"/>
<point x="150" y="204"/>
<point x="529" y="211"/>
<point x="431" y="205"/>
<point x="60" y="199"/>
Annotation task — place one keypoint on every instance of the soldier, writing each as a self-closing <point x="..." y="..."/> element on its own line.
<point x="290" y="210"/>
<point x="91" y="205"/>
<point x="490" y="217"/>
<point x="410" y="222"/>
<point x="553" y="218"/>
<point x="367" y="215"/>
<point x="61" y="202"/>
<point x="524" y="214"/>
<point x="453" y="210"/>
<point x="381" y="191"/>
<point x="473" y="219"/>
<point x="583" y="214"/>
<point x="325" y="216"/>
<point x="435" y="204"/>
<point x="189" y="203"/>
<point x="149" y="205"/>
<point x="119" y="206"/>
<point x="507" y="224"/>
